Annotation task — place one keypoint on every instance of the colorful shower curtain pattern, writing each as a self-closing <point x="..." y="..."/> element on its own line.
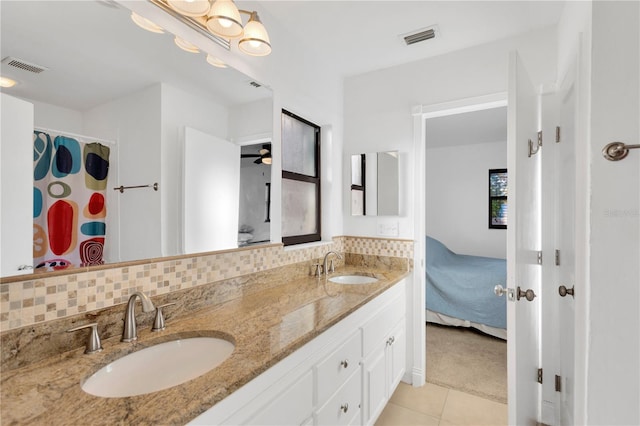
<point x="69" y="202"/>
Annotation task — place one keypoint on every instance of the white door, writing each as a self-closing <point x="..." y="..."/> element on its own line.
<point x="565" y="206"/>
<point x="211" y="192"/>
<point x="523" y="243"/>
<point x="16" y="178"/>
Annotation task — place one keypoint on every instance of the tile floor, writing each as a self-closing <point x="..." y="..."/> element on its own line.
<point x="437" y="405"/>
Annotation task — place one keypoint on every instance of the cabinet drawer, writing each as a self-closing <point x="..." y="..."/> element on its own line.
<point x="344" y="405"/>
<point x="292" y="407"/>
<point x="375" y="331"/>
<point x="332" y="372"/>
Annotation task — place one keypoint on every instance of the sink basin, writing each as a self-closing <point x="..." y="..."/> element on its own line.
<point x="353" y="279"/>
<point x="158" y="367"/>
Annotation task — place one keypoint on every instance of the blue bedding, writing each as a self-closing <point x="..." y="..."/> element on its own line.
<point x="461" y="286"/>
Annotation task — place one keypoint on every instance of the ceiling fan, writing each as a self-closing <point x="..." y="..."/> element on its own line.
<point x="263" y="157"/>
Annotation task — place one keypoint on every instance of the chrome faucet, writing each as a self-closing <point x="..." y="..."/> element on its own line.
<point x="130" y="333"/>
<point x="328" y="270"/>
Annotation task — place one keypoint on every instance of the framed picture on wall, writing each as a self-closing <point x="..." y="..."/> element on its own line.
<point x="498" y="199"/>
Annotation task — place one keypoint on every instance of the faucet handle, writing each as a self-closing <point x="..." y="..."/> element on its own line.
<point x="158" y="323"/>
<point x="317" y="269"/>
<point x="331" y="267"/>
<point x="93" y="344"/>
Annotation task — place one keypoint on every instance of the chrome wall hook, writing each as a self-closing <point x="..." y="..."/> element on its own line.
<point x="616" y="151"/>
<point x="534" y="147"/>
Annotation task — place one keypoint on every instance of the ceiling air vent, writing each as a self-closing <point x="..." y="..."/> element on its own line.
<point x="418" y="36"/>
<point x="24" y="65"/>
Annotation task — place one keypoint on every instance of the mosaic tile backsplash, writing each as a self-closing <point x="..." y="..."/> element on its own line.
<point x="43" y="298"/>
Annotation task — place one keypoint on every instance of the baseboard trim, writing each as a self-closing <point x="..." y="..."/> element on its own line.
<point x="417" y="377"/>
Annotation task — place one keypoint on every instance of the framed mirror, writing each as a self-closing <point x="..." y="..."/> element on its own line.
<point x="375" y="184"/>
<point x="91" y="74"/>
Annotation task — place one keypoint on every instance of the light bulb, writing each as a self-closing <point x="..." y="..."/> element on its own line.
<point x="255" y="40"/>
<point x="7" y="82"/>
<point x="225" y="23"/>
<point x="224" y="19"/>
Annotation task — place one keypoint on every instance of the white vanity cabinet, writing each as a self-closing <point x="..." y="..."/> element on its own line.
<point x="384" y="357"/>
<point x="331" y="380"/>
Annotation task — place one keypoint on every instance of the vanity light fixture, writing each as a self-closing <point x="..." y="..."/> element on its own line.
<point x="185" y="45"/>
<point x="7" y="82"/>
<point x="146" y="24"/>
<point x="222" y="18"/>
<point x="255" y="41"/>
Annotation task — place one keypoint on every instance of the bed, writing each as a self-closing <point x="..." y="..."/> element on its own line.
<point x="459" y="290"/>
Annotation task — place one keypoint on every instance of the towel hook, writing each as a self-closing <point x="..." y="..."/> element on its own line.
<point x="534" y="147"/>
<point x="616" y="151"/>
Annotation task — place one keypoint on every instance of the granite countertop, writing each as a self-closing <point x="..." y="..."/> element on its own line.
<point x="266" y="325"/>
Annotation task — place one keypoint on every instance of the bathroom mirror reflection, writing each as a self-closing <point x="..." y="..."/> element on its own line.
<point x="375" y="184"/>
<point x="103" y="79"/>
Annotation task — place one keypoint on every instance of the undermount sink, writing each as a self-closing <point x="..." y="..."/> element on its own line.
<point x="353" y="279"/>
<point x="158" y="367"/>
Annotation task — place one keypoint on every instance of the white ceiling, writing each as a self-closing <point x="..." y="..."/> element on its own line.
<point x="96" y="54"/>
<point x="485" y="126"/>
<point x="359" y="36"/>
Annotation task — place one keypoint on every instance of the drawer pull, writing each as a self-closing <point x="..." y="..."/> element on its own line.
<point x="344" y="407"/>
<point x="344" y="363"/>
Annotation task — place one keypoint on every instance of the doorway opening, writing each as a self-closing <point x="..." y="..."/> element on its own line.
<point x="465" y="174"/>
<point x="254" y="222"/>
<point x="422" y="114"/>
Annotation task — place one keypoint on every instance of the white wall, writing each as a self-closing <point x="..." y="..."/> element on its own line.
<point x="251" y="120"/>
<point x="57" y="118"/>
<point x="457" y="198"/>
<point x="134" y="122"/>
<point x="378" y="105"/>
<point x="613" y="348"/>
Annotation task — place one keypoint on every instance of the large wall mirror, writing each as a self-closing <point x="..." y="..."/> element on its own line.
<point x="195" y="138"/>
<point x="375" y="184"/>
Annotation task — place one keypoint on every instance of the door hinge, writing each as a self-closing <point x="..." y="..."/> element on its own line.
<point x="558" y="383"/>
<point x="557" y="257"/>
<point x="540" y="138"/>
<point x="540" y="375"/>
<point x="539" y="255"/>
<point x="557" y="134"/>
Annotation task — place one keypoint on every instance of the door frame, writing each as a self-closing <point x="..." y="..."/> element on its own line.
<point x="420" y="114"/>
